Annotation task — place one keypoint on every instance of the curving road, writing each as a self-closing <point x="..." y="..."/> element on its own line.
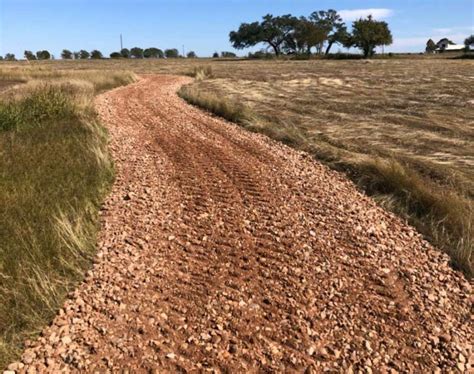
<point x="224" y="251"/>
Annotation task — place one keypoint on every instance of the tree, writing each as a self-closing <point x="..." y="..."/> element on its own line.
<point x="153" y="53"/>
<point x="76" y="55"/>
<point x="306" y="34"/>
<point x="226" y="54"/>
<point x="83" y="54"/>
<point x="191" y="54"/>
<point x="215" y="55"/>
<point x="43" y="55"/>
<point x="469" y="42"/>
<point x="172" y="53"/>
<point x="29" y="55"/>
<point x="368" y="33"/>
<point x="66" y="54"/>
<point x="115" y="55"/>
<point x="10" y="57"/>
<point x="331" y="22"/>
<point x="136" y="52"/>
<point x="96" y="54"/>
<point x="430" y="46"/>
<point x="273" y="31"/>
<point x="125" y="52"/>
<point x="1" y="58"/>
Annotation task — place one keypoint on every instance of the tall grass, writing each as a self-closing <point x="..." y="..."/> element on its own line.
<point x="444" y="216"/>
<point x="53" y="177"/>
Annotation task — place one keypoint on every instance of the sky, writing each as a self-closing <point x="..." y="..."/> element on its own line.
<point x="204" y="25"/>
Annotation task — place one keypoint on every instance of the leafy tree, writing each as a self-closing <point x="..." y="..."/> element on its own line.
<point x="125" y="52"/>
<point x="306" y="34"/>
<point x="29" y="55"/>
<point x="96" y="54"/>
<point x="226" y="54"/>
<point x="76" y="55"/>
<point x="191" y="54"/>
<point x="368" y="33"/>
<point x="172" y="53"/>
<point x="83" y="54"/>
<point x="10" y="57"/>
<point x="430" y="46"/>
<point x="469" y="42"/>
<point x="1" y="58"/>
<point x="153" y="53"/>
<point x="115" y="55"/>
<point x="66" y="54"/>
<point x="136" y="52"/>
<point x="330" y="21"/>
<point x="43" y="55"/>
<point x="215" y="55"/>
<point x="272" y="30"/>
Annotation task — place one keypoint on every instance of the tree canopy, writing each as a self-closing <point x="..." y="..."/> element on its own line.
<point x="322" y="29"/>
<point x="29" y="55"/>
<point x="368" y="33"/>
<point x="469" y="41"/>
<point x="66" y="54"/>
<point x="43" y="55"/>
<point x="153" y="53"/>
<point x="83" y="54"/>
<point x="136" y="52"/>
<point x="430" y="46"/>
<point x="191" y="54"/>
<point x="96" y="54"/>
<point x="172" y="53"/>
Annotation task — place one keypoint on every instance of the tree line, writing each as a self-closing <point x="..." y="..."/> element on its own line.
<point x="135" y="52"/>
<point x="288" y="34"/>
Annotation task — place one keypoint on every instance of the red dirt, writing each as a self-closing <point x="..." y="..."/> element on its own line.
<point x="224" y="251"/>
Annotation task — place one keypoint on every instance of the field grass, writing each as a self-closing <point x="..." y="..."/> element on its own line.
<point x="54" y="173"/>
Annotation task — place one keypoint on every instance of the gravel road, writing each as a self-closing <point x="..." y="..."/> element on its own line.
<point x="224" y="251"/>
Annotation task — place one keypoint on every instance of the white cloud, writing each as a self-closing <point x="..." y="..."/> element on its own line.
<point x="354" y="14"/>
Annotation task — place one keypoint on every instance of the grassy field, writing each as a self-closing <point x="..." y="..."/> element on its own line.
<point x="54" y="173"/>
<point x="402" y="129"/>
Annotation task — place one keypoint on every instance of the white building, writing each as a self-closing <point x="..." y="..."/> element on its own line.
<point x="446" y="45"/>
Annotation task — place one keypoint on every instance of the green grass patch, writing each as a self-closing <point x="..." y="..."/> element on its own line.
<point x="54" y="174"/>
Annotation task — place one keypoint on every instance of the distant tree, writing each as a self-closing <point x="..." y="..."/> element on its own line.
<point x="153" y="53"/>
<point x="125" y="52"/>
<point x="368" y="33"/>
<point x="136" y="52"/>
<point x="76" y="55"/>
<point x="306" y="34"/>
<point x="273" y="31"/>
<point x="469" y="42"/>
<point x="115" y="55"/>
<point x="43" y="55"/>
<point x="1" y="58"/>
<point x="29" y="55"/>
<point x="226" y="54"/>
<point x="334" y="28"/>
<point x="191" y="54"/>
<point x="430" y="46"/>
<point x="96" y="54"/>
<point x="10" y="57"/>
<point x="66" y="54"/>
<point x="83" y="54"/>
<point x="172" y="53"/>
<point x="215" y="55"/>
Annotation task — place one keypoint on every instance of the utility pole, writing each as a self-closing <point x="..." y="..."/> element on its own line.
<point x="121" y="42"/>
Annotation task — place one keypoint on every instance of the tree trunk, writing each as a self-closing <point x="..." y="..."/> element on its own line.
<point x="329" y="47"/>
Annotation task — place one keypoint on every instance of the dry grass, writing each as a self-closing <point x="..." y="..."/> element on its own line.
<point x="54" y="172"/>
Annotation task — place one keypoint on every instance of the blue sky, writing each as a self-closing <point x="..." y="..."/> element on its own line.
<point x="204" y="25"/>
